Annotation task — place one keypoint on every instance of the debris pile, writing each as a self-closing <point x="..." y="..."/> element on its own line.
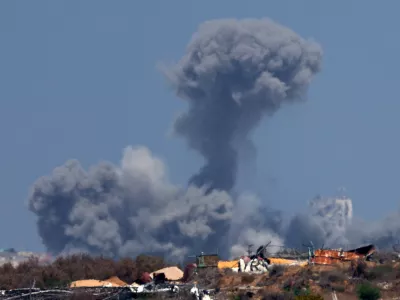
<point x="256" y="265"/>
<point x="111" y="282"/>
<point x="329" y="256"/>
<point x="210" y="278"/>
<point x="259" y="263"/>
<point x="170" y="273"/>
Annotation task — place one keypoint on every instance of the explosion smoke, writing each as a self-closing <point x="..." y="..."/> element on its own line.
<point x="233" y="74"/>
<point x="326" y="223"/>
<point x="125" y="210"/>
<point x="383" y="233"/>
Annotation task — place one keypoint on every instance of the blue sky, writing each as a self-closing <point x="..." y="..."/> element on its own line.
<point x="79" y="80"/>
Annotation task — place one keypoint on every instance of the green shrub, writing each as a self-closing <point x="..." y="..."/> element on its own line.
<point x="366" y="291"/>
<point x="300" y="292"/>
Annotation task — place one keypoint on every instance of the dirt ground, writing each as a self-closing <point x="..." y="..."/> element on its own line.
<point x="321" y="280"/>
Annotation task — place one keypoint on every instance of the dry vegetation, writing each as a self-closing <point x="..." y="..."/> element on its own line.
<point x="378" y="278"/>
<point x="357" y="280"/>
<point x="64" y="270"/>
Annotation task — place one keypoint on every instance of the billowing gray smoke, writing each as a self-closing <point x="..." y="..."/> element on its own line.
<point x="326" y="223"/>
<point x="330" y="222"/>
<point x="233" y="74"/>
<point x="383" y="233"/>
<point x="125" y="210"/>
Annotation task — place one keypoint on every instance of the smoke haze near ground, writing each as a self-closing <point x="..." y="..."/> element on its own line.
<point x="233" y="73"/>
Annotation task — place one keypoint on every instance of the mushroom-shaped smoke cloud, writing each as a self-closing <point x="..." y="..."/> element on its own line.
<point x="234" y="73"/>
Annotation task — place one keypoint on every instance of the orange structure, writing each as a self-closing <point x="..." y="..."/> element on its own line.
<point x="230" y="264"/>
<point x="329" y="257"/>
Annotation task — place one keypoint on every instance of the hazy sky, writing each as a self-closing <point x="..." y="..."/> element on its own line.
<point x="79" y="79"/>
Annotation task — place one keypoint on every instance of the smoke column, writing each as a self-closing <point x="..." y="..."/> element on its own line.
<point x="330" y="222"/>
<point x="233" y="73"/>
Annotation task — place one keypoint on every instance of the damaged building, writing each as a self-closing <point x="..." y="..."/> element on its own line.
<point x="334" y="256"/>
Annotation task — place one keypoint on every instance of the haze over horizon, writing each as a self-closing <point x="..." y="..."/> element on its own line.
<point x="81" y="82"/>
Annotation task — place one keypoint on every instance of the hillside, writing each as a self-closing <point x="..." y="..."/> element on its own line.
<point x="345" y="279"/>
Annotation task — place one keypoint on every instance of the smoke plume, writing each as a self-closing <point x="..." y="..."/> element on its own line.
<point x="254" y="224"/>
<point x="233" y="73"/>
<point x="330" y="222"/>
<point x="125" y="210"/>
<point x="383" y="233"/>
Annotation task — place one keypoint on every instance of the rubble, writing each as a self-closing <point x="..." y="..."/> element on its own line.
<point x="385" y="285"/>
<point x="116" y="281"/>
<point x="259" y="263"/>
<point x="329" y="256"/>
<point x="111" y="282"/>
<point x="171" y="273"/>
<point x="211" y="278"/>
<point x="255" y="265"/>
<point x="200" y="295"/>
<point x="151" y="287"/>
<point x="54" y="294"/>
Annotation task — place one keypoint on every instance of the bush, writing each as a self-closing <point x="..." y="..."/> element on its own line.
<point x="384" y="257"/>
<point x="277" y="271"/>
<point x="382" y="272"/>
<point x="325" y="284"/>
<point x="125" y="270"/>
<point x="329" y="277"/>
<point x="288" y="284"/>
<point x="366" y="291"/>
<point x="306" y="273"/>
<point x="245" y="296"/>
<point x="208" y="277"/>
<point x="298" y="286"/>
<point x="66" y="269"/>
<point x="358" y="269"/>
<point x="247" y="278"/>
<point x="146" y="263"/>
<point x="334" y="276"/>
